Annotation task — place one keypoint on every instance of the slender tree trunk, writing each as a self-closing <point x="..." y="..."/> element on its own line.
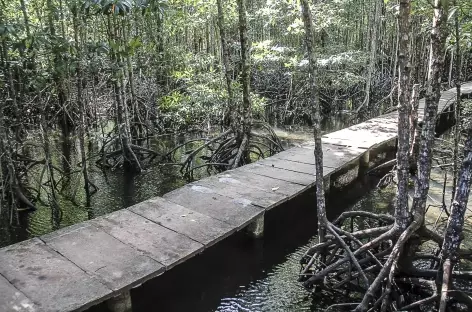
<point x="31" y="54"/>
<point x="455" y="225"/>
<point x="314" y="97"/>
<point x="373" y="53"/>
<point x="414" y="129"/>
<point x="17" y="126"/>
<point x="245" y="114"/>
<point x="82" y="108"/>
<point x="433" y="95"/>
<point x="395" y="63"/>
<point x="25" y="17"/>
<point x="160" y="72"/>
<point x="136" y="130"/>
<point x="460" y="184"/>
<point x="7" y="166"/>
<point x="451" y="66"/>
<point x="122" y="119"/>
<point x="227" y="117"/>
<point x="52" y="196"/>
<point x="402" y="218"/>
<point x="457" y="108"/>
<point x="65" y="120"/>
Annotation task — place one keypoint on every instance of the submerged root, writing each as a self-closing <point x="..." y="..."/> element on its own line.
<point x="226" y="151"/>
<point x="363" y="253"/>
<point x="127" y="155"/>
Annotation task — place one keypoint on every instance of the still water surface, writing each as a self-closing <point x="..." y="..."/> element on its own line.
<point x="116" y="189"/>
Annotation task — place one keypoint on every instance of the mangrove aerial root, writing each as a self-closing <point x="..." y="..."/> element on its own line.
<point x="225" y="151"/>
<point x="365" y="252"/>
<point x="129" y="154"/>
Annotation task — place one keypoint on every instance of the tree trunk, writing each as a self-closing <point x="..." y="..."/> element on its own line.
<point x="402" y="218"/>
<point x="12" y="96"/>
<point x="373" y="53"/>
<point x="65" y="120"/>
<point x="433" y="95"/>
<point x="314" y="97"/>
<point x="414" y="128"/>
<point x="122" y="119"/>
<point x="82" y="108"/>
<point x="455" y="225"/>
<point x="226" y="66"/>
<point x="460" y="184"/>
<point x="457" y="108"/>
<point x="245" y="113"/>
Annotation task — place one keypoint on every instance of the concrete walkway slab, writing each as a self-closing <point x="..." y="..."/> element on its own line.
<point x="113" y="262"/>
<point x="286" y="188"/>
<point x="235" y="189"/>
<point x="48" y="279"/>
<point x="157" y="242"/>
<point x="13" y="299"/>
<point x="238" y="212"/>
<point x="280" y="174"/>
<point x="192" y="224"/>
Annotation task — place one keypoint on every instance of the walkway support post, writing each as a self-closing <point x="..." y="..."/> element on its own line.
<point x="120" y="303"/>
<point x="256" y="228"/>
<point x="327" y="183"/>
<point x="364" y="160"/>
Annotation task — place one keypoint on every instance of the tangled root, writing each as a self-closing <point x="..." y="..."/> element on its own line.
<point x="366" y="253"/>
<point x="225" y="151"/>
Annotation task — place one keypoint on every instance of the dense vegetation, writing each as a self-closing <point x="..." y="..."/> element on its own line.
<point x="114" y="74"/>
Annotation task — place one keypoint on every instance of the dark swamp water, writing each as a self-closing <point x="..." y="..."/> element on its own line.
<point x="116" y="189"/>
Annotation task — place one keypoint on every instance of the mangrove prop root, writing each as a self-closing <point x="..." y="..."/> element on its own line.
<point x="363" y="253"/>
<point x="225" y="152"/>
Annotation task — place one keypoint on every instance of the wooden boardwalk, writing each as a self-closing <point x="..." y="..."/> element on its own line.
<point x="87" y="263"/>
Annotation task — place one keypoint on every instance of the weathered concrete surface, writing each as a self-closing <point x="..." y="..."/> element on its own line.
<point x="13" y="299"/>
<point x="290" y="165"/>
<point x="236" y="211"/>
<point x="236" y="189"/>
<point x="51" y="281"/>
<point x="113" y="262"/>
<point x="161" y="244"/>
<point x="364" y="135"/>
<point x="269" y="184"/>
<point x="190" y="223"/>
<point x="280" y="174"/>
<point x="334" y="156"/>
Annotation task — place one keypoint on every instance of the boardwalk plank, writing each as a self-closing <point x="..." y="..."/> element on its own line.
<point x="333" y="156"/>
<point x="195" y="225"/>
<point x="51" y="281"/>
<point x="360" y="139"/>
<point x="289" y="165"/>
<point x="13" y="299"/>
<point x="281" y="174"/>
<point x="163" y="245"/>
<point x="236" y="211"/>
<point x="101" y="255"/>
<point x="236" y="189"/>
<point x="269" y="184"/>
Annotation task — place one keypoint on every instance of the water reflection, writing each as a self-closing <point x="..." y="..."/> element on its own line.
<point x="117" y="189"/>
